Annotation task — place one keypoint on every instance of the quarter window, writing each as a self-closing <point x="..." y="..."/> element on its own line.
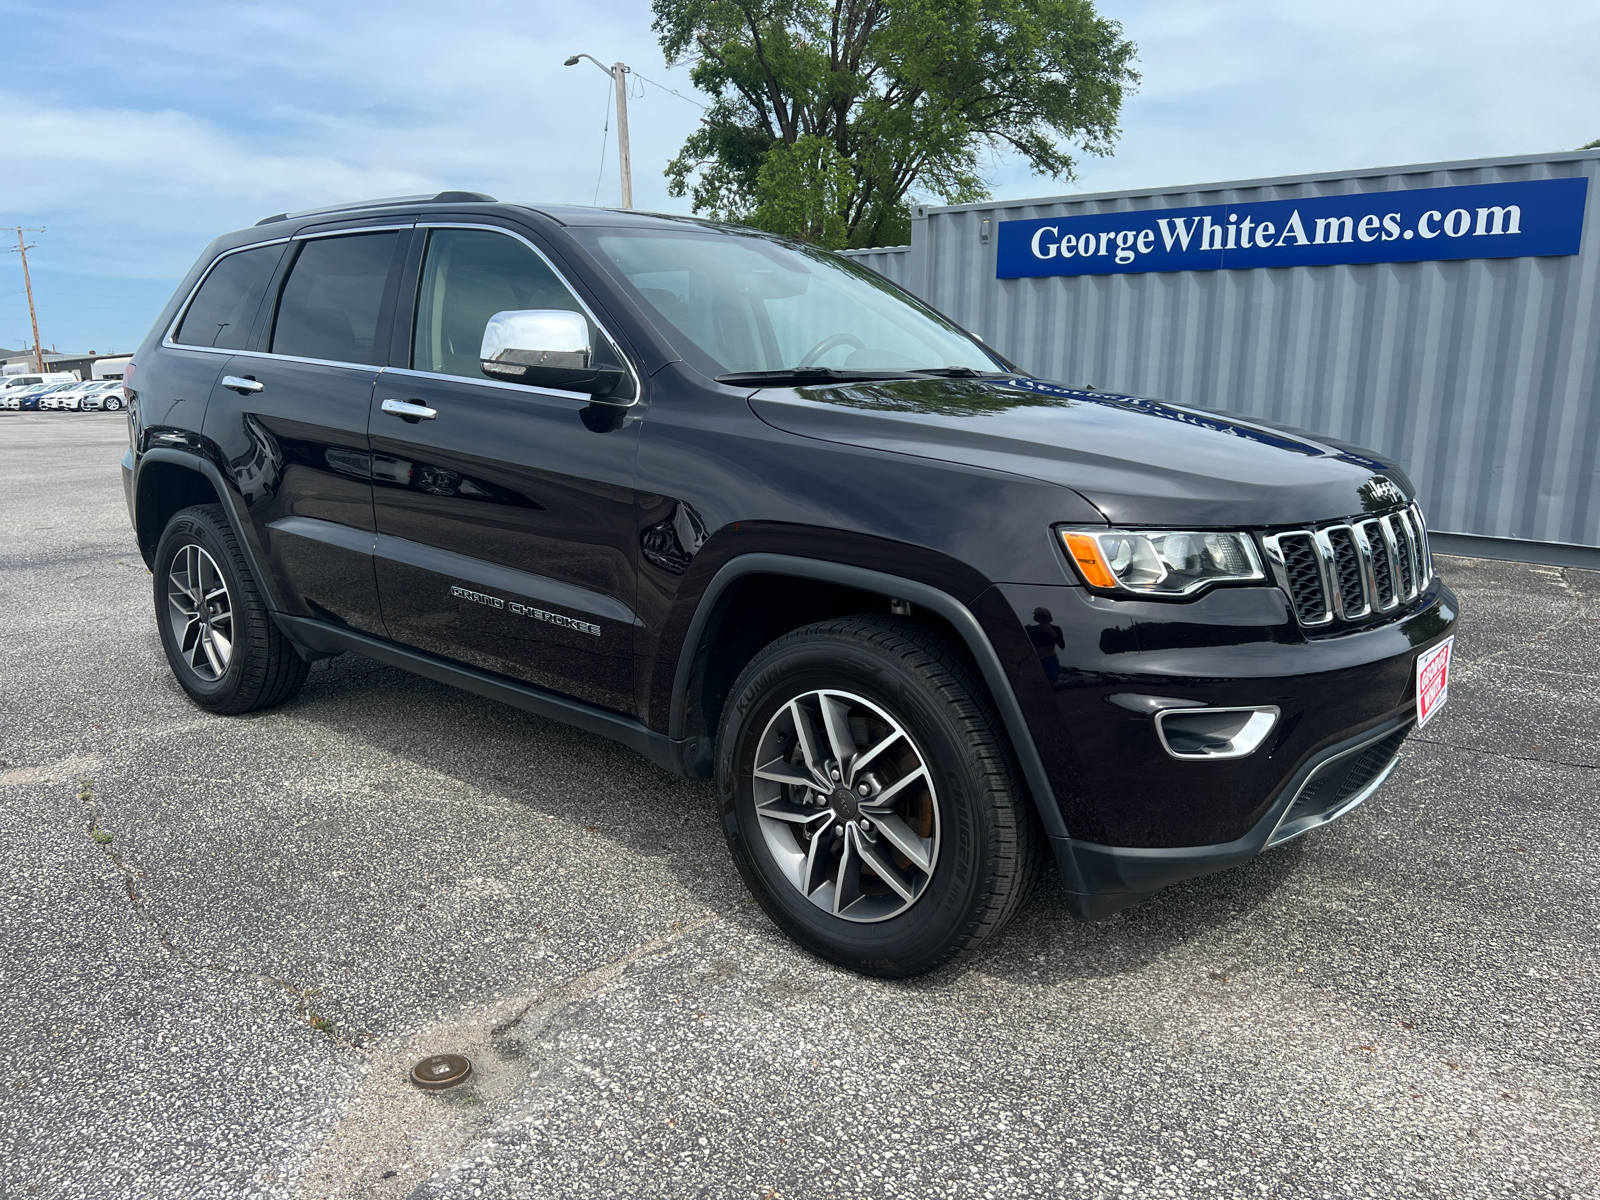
<point x="331" y="301"/>
<point x="467" y="277"/>
<point x="224" y="309"/>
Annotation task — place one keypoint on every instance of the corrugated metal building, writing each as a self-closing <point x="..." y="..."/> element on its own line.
<point x="1482" y="375"/>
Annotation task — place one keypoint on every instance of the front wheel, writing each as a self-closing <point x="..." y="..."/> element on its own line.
<point x="221" y="642"/>
<point x="111" y="403"/>
<point x="870" y="798"/>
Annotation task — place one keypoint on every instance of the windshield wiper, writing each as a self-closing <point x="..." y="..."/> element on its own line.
<point x="955" y="372"/>
<point x="807" y="375"/>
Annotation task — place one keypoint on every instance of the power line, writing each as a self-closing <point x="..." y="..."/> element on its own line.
<point x="665" y="88"/>
<point x="605" y="137"/>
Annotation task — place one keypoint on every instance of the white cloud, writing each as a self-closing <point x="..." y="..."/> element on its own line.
<point x="1252" y="88"/>
<point x="138" y="133"/>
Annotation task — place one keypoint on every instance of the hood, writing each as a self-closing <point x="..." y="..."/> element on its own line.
<point x="1140" y="462"/>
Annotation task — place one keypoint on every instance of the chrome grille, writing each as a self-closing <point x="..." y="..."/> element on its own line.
<point x="1381" y="555"/>
<point x="1304" y="577"/>
<point x="1349" y="570"/>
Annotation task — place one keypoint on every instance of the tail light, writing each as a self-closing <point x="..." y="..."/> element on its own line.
<point x="127" y="384"/>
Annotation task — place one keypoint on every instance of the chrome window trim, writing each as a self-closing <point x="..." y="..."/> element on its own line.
<point x="167" y="341"/>
<point x="633" y="373"/>
<point x="525" y="388"/>
<point x="310" y="362"/>
<point x="327" y="233"/>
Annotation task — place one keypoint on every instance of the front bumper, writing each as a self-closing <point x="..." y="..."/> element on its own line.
<point x="1138" y="819"/>
<point x="1106" y="879"/>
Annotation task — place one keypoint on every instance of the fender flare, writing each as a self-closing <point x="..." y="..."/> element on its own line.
<point x="952" y="610"/>
<point x="203" y="466"/>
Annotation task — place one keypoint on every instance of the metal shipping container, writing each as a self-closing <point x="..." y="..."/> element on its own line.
<point x="1481" y="375"/>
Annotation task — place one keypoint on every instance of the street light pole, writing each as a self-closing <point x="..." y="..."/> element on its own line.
<point x="619" y="76"/>
<point x="27" y="283"/>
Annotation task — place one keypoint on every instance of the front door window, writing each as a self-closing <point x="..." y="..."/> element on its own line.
<point x="468" y="276"/>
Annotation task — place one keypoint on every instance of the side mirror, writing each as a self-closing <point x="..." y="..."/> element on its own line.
<point x="551" y="347"/>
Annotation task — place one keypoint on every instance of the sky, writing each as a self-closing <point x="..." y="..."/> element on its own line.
<point x="134" y="134"/>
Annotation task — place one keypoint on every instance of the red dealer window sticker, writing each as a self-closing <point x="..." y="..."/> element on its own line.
<point x="1433" y="680"/>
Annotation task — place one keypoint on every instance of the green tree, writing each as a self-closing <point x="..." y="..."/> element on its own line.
<point x="828" y="115"/>
<point x="1594" y="145"/>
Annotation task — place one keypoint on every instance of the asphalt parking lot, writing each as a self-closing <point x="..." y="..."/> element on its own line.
<point x="225" y="940"/>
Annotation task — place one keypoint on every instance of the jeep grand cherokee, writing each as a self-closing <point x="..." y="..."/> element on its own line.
<point x="759" y="514"/>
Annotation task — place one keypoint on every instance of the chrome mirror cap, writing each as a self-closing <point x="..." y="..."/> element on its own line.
<point x="535" y="337"/>
<point x="553" y="348"/>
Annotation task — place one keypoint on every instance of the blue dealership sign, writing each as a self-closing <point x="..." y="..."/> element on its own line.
<point x="1489" y="220"/>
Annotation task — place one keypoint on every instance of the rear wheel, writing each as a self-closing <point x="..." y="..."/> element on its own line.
<point x="220" y="641"/>
<point x="870" y="798"/>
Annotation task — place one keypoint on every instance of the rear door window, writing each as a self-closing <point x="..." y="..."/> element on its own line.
<point x="332" y="299"/>
<point x="224" y="309"/>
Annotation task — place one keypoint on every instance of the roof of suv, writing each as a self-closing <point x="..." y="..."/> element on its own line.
<point x="564" y="214"/>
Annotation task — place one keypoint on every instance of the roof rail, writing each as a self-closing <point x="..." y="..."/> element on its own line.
<point x="385" y="202"/>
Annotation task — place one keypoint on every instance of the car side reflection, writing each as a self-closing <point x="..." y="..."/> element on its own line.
<point x="386" y="469"/>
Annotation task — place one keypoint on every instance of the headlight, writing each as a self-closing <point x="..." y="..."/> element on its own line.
<point x="1160" y="563"/>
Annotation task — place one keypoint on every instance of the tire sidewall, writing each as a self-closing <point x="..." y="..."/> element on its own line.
<point x="946" y="914"/>
<point x="188" y="528"/>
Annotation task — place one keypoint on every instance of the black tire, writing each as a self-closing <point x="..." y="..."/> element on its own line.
<point x="988" y="853"/>
<point x="262" y="668"/>
<point x="111" y="404"/>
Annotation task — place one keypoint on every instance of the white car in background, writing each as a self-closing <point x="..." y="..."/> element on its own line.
<point x="59" y="398"/>
<point x="31" y="399"/>
<point x="102" y="395"/>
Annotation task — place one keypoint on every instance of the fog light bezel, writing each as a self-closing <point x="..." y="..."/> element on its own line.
<point x="1237" y="748"/>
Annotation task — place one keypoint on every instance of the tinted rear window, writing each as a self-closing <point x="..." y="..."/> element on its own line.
<point x="225" y="308"/>
<point x="330" y="303"/>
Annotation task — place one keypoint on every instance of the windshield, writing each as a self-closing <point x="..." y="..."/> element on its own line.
<point x="745" y="303"/>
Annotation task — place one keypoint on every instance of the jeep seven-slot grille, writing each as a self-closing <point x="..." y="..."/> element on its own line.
<point x="1382" y="563"/>
<point x="1347" y="570"/>
<point x="1350" y="570"/>
<point x="1304" y="577"/>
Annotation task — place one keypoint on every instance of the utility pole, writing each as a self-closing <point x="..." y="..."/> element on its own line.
<point x="27" y="283"/>
<point x="619" y="76"/>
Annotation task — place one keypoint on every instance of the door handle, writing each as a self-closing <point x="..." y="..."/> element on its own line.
<point x="409" y="410"/>
<point x="244" y="385"/>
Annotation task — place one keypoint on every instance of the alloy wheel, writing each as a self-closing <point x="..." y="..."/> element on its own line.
<point x="846" y="806"/>
<point x="200" y="612"/>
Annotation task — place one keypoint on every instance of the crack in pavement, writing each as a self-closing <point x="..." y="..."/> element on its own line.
<point x="1579" y="609"/>
<point x="1556" y="762"/>
<point x="130" y="875"/>
<point x="394" y="1137"/>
